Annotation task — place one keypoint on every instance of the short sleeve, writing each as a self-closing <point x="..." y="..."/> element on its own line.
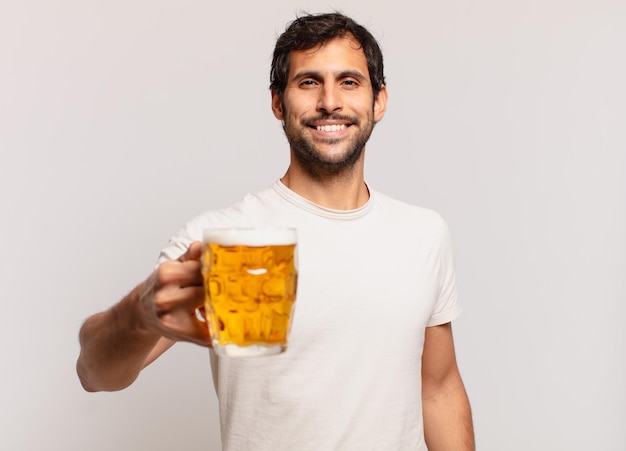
<point x="192" y="231"/>
<point x="446" y="306"/>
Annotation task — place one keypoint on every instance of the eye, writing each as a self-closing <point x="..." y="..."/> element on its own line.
<point x="350" y="83"/>
<point x="307" y="83"/>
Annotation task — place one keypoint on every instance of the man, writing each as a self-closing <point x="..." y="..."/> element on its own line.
<point x="371" y="362"/>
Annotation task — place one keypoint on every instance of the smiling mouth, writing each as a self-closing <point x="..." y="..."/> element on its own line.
<point x="330" y="128"/>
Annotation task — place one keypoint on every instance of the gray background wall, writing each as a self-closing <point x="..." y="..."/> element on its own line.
<point x="119" y="121"/>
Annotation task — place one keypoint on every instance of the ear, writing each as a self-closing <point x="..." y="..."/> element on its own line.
<point x="380" y="104"/>
<point x="277" y="105"/>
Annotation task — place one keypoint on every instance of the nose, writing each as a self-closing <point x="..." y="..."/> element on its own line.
<point x="330" y="99"/>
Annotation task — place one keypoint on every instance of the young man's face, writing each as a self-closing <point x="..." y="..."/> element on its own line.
<point x="328" y="107"/>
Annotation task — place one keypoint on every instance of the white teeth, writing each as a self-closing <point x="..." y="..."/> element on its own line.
<point x="331" y="128"/>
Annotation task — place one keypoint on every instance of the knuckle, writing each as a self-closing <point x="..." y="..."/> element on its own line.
<point x="162" y="300"/>
<point x="164" y="273"/>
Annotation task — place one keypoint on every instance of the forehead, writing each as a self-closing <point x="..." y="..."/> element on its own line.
<point x="337" y="55"/>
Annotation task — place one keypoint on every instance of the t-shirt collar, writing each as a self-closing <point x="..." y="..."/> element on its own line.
<point x="330" y="213"/>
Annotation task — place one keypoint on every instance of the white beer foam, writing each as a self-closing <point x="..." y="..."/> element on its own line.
<point x="251" y="236"/>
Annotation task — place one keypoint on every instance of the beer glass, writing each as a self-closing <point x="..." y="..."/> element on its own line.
<point x="250" y="280"/>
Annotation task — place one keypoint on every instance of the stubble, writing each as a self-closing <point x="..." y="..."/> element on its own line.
<point x="317" y="163"/>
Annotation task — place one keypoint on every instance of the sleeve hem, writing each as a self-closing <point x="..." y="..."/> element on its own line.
<point x="444" y="317"/>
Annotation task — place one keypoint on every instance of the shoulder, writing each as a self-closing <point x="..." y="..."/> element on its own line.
<point x="244" y="213"/>
<point x="410" y="214"/>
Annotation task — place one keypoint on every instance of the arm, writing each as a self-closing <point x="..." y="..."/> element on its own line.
<point x="447" y="414"/>
<point x="118" y="343"/>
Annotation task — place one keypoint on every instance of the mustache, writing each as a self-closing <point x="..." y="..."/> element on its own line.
<point x="309" y="121"/>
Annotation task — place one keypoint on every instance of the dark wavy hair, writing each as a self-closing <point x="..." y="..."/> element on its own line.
<point x="312" y="30"/>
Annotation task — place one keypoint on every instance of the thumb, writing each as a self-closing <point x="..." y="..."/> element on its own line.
<point x="193" y="253"/>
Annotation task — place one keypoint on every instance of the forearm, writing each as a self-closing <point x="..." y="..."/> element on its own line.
<point x="448" y="419"/>
<point x="114" y="346"/>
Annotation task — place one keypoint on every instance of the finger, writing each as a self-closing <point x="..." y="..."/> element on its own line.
<point x="184" y="325"/>
<point x="185" y="273"/>
<point x="189" y="329"/>
<point x="172" y="299"/>
<point x="193" y="252"/>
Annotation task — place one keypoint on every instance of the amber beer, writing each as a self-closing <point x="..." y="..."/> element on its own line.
<point x="250" y="280"/>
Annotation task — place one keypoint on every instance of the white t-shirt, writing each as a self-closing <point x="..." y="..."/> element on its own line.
<point x="370" y="281"/>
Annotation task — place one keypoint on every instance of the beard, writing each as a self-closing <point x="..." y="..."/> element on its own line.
<point x="312" y="159"/>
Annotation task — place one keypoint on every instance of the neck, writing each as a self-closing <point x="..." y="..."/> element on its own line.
<point x="345" y="191"/>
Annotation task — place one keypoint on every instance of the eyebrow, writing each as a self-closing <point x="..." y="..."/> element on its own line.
<point x="318" y="75"/>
